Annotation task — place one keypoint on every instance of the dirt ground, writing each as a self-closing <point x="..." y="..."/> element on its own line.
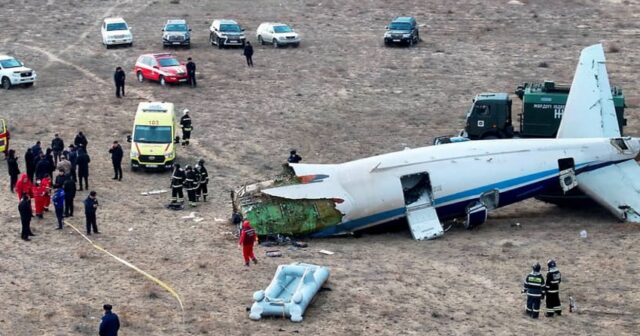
<point x="340" y="96"/>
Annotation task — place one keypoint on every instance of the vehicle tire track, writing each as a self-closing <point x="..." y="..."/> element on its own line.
<point x="87" y="73"/>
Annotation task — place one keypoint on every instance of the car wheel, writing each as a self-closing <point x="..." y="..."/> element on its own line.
<point x="211" y="39"/>
<point x="28" y="85"/>
<point x="134" y="169"/>
<point x="162" y="81"/>
<point x="219" y="42"/>
<point x="260" y="40"/>
<point x="130" y="44"/>
<point x="411" y="42"/>
<point x="6" y="83"/>
<point x="295" y="45"/>
<point x="275" y="43"/>
<point x="140" y="77"/>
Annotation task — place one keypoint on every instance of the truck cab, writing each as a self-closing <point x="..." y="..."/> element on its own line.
<point x="154" y="136"/>
<point x="489" y="117"/>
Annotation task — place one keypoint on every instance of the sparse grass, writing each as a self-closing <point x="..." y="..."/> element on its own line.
<point x="507" y="244"/>
<point x="543" y="65"/>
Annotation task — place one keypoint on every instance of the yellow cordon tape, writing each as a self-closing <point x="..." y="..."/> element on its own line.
<point x="134" y="267"/>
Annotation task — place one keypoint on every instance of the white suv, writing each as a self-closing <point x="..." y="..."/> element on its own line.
<point x="278" y="34"/>
<point x="226" y="33"/>
<point x="115" y="31"/>
<point x="13" y="72"/>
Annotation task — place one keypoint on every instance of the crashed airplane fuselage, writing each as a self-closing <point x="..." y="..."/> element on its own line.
<point x="467" y="179"/>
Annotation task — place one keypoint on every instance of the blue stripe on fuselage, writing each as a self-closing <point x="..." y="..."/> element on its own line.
<point x="457" y="209"/>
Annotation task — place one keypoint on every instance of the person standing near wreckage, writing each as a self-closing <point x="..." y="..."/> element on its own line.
<point x="204" y="180"/>
<point x="248" y="238"/>
<point x="190" y="185"/>
<point x="90" y="209"/>
<point x="177" y="179"/>
<point x="534" y="287"/>
<point x="552" y="288"/>
<point x="185" y="123"/>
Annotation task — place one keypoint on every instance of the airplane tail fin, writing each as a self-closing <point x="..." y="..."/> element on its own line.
<point x="589" y="112"/>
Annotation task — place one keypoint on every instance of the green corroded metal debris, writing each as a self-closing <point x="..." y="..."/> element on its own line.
<point x="274" y="215"/>
<point x="271" y="215"/>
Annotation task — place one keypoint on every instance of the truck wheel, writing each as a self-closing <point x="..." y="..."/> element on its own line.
<point x="162" y="81"/>
<point x="260" y="40"/>
<point x="6" y="83"/>
<point x="140" y="77"/>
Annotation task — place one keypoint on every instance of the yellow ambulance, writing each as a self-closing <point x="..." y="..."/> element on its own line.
<point x="153" y="142"/>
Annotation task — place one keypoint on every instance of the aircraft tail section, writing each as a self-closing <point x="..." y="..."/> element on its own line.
<point x="589" y="112"/>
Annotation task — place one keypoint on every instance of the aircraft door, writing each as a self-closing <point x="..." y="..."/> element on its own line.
<point x="567" y="174"/>
<point x="418" y="199"/>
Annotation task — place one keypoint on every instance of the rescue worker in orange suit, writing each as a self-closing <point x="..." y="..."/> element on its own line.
<point x="177" y="179"/>
<point x="534" y="287"/>
<point x="46" y="183"/>
<point x="553" y="289"/>
<point x="248" y="238"/>
<point x="24" y="186"/>
<point x="38" y="197"/>
<point x="185" y="123"/>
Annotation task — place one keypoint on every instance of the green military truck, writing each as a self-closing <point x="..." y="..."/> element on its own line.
<point x="542" y="108"/>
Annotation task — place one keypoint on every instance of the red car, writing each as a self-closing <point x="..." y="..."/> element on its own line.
<point x="163" y="68"/>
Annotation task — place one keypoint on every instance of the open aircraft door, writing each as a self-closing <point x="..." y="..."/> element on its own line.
<point x="421" y="215"/>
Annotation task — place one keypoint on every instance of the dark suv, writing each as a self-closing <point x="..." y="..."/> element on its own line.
<point x="402" y="30"/>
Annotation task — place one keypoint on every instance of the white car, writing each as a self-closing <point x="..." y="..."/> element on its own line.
<point x="13" y="72"/>
<point x="226" y="33"/>
<point x="278" y="34"/>
<point x="115" y="31"/>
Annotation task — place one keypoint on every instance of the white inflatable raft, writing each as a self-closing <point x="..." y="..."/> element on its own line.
<point x="290" y="292"/>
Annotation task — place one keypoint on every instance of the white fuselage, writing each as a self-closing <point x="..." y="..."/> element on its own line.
<point x="460" y="172"/>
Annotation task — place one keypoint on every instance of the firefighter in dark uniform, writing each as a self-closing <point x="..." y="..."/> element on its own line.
<point x="185" y="123"/>
<point x="204" y="180"/>
<point x="190" y="185"/>
<point x="198" y="180"/>
<point x="177" y="179"/>
<point x="553" y="289"/>
<point x="294" y="157"/>
<point x="534" y="287"/>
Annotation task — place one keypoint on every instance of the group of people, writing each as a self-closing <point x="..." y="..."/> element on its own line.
<point x="51" y="176"/>
<point x="536" y="289"/>
<point x="194" y="180"/>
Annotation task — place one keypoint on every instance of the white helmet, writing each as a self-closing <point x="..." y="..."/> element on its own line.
<point x="185" y="111"/>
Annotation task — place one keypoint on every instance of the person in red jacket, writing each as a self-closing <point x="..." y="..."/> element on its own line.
<point x="39" y="192"/>
<point x="24" y="186"/>
<point x="46" y="184"/>
<point x="248" y="238"/>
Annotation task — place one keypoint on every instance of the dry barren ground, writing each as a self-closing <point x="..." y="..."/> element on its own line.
<point x="340" y="96"/>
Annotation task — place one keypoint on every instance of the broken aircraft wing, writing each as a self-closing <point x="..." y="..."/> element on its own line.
<point x="615" y="187"/>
